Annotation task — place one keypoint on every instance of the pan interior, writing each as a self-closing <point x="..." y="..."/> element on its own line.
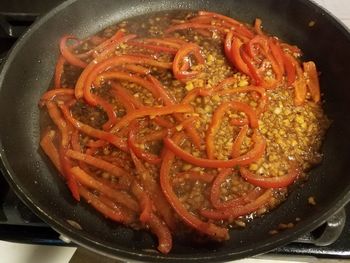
<point x="28" y="72"/>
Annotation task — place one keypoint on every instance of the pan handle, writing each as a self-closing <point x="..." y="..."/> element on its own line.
<point x="332" y="229"/>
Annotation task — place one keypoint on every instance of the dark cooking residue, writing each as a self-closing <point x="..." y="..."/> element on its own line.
<point x="183" y="123"/>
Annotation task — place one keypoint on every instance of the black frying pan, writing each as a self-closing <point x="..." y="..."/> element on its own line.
<point x="29" y="69"/>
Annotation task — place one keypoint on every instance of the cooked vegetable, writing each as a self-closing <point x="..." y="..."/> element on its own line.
<point x="182" y="122"/>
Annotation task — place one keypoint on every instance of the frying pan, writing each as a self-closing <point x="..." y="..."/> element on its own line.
<point x="29" y="69"/>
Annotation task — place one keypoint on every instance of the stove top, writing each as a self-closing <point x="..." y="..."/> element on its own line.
<point x="19" y="224"/>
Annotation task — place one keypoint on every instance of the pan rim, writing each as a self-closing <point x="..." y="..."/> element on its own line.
<point x="83" y="240"/>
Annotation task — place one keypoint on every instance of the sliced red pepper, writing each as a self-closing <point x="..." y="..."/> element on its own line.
<point x="239" y="201"/>
<point x="160" y="49"/>
<point x="61" y="124"/>
<point x="162" y="232"/>
<point x="79" y="86"/>
<point x="131" y="103"/>
<point x="289" y="66"/>
<point x="209" y="229"/>
<point x="115" y="195"/>
<point x="68" y="175"/>
<point x="300" y="87"/>
<point x="237" y="144"/>
<point x="277" y="53"/>
<point x="252" y="70"/>
<point x="109" y="42"/>
<point x="120" y="75"/>
<point x="258" y="26"/>
<point x="114" y="213"/>
<point x="59" y="71"/>
<point x="236" y="57"/>
<point x="272" y="182"/>
<point x="239" y="27"/>
<point x="95" y="133"/>
<point x="123" y="95"/>
<point x="137" y="69"/>
<point x="97" y="144"/>
<point x="97" y="162"/>
<point x="312" y="81"/>
<point x="240" y="210"/>
<point x="245" y="159"/>
<point x="152" y="187"/>
<point x="70" y="57"/>
<point x="51" y="94"/>
<point x="109" y="109"/>
<point x="147" y="216"/>
<point x="153" y="111"/>
<point x="162" y="93"/>
<point x="146" y="156"/>
<point x="217" y="118"/>
<point x="144" y="200"/>
<point x="50" y="149"/>
<point x="228" y="45"/>
<point x="181" y="56"/>
<point x="187" y="26"/>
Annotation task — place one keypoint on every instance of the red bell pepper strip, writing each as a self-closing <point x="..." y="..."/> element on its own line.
<point x="79" y="86"/>
<point x="131" y="103"/>
<point x="136" y="69"/>
<point x="97" y="162"/>
<point x="144" y="201"/>
<point x="153" y="111"/>
<point x="237" y="144"/>
<point x="70" y="57"/>
<point x="240" y="210"/>
<point x="300" y="87"/>
<point x="50" y="149"/>
<point x="115" y="195"/>
<point x="181" y="56"/>
<point x="109" y="42"/>
<point x="289" y="66"/>
<point x="245" y="159"/>
<point x="115" y="214"/>
<point x="85" y="81"/>
<point x="277" y="53"/>
<point x="230" y="204"/>
<point x="152" y="187"/>
<point x="239" y="27"/>
<point x="194" y="26"/>
<point x="217" y="118"/>
<point x="59" y="71"/>
<point x="253" y="73"/>
<point x="312" y="80"/>
<point x="51" y="94"/>
<point x="61" y="124"/>
<point x="156" y="48"/>
<point x="67" y="173"/>
<point x="95" y="133"/>
<point x="147" y="217"/>
<point x="146" y="156"/>
<point x="258" y="26"/>
<point x="169" y="100"/>
<point x="272" y="182"/>
<point x="233" y="53"/>
<point x="190" y="219"/>
<point x="111" y="114"/>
